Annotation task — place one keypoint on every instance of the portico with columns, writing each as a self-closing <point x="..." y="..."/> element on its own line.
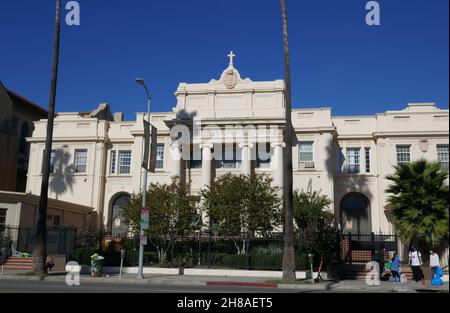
<point x="237" y="124"/>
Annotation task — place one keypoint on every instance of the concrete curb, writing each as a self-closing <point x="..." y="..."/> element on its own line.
<point x="343" y="286"/>
<point x="159" y="281"/>
<point x="241" y="284"/>
<point x="205" y="272"/>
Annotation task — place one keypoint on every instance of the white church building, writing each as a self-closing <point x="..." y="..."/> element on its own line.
<point x="97" y="157"/>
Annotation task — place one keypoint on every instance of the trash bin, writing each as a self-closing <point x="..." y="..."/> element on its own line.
<point x="96" y="265"/>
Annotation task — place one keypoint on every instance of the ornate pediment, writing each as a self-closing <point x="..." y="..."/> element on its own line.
<point x="230" y="76"/>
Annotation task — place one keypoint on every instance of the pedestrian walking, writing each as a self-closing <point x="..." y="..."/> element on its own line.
<point x="434" y="263"/>
<point x="415" y="261"/>
<point x="395" y="268"/>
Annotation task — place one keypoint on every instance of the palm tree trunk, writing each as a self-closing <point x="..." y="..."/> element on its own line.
<point x="288" y="256"/>
<point x="40" y="240"/>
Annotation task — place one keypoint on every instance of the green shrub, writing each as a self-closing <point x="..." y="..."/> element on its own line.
<point x="213" y="259"/>
<point x="238" y="261"/>
<point x="151" y="258"/>
<point x="184" y="260"/>
<point x="83" y="255"/>
<point x="268" y="250"/>
<point x="266" y="262"/>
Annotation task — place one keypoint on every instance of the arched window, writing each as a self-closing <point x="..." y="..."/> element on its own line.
<point x="24" y="133"/>
<point x="117" y="225"/>
<point x="355" y="214"/>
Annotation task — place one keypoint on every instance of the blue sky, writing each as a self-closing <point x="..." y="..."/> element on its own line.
<point x="337" y="60"/>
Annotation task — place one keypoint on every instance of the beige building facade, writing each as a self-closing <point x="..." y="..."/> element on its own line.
<point x="235" y="125"/>
<point x="17" y="115"/>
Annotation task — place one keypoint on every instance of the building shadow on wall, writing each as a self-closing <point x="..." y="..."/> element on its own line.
<point x="186" y="118"/>
<point x="347" y="183"/>
<point x="62" y="179"/>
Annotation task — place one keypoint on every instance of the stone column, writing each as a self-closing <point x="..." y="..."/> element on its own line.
<point x="176" y="159"/>
<point x="246" y="158"/>
<point x="277" y="165"/>
<point x="206" y="164"/>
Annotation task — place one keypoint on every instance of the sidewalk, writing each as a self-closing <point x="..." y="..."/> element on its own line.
<point x="261" y="282"/>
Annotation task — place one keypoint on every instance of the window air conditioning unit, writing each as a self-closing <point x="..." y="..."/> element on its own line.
<point x="307" y="165"/>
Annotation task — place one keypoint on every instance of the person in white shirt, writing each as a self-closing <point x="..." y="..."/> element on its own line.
<point x="434" y="263"/>
<point x="415" y="260"/>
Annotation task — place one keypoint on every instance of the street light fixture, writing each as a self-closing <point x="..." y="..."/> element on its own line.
<point x="140" y="274"/>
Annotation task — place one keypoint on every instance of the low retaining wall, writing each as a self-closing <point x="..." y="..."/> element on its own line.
<point x="207" y="272"/>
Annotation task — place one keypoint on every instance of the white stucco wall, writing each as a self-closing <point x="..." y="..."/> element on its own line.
<point x="247" y="102"/>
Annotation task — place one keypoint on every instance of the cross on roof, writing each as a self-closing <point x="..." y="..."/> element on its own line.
<point x="231" y="55"/>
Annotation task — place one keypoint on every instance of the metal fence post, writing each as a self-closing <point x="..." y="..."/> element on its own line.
<point x="350" y="252"/>
<point x="209" y="251"/>
<point x="372" y="240"/>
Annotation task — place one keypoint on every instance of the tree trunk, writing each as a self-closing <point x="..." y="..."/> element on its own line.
<point x="40" y="242"/>
<point x="288" y="256"/>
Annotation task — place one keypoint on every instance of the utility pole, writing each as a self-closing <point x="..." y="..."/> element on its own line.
<point x="140" y="274"/>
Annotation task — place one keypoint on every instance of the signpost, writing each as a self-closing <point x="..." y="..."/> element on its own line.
<point x="145" y="218"/>
<point x="143" y="240"/>
<point x="122" y="255"/>
<point x="146" y="144"/>
<point x="150" y="144"/>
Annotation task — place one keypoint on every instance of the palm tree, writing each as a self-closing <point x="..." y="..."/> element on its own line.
<point x="40" y="240"/>
<point x="288" y="256"/>
<point x="419" y="200"/>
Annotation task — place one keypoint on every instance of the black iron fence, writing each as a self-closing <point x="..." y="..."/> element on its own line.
<point x="361" y="248"/>
<point x="20" y="240"/>
<point x="207" y="251"/>
<point x="190" y="252"/>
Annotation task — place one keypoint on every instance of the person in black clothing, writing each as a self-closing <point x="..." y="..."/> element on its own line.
<point x="379" y="258"/>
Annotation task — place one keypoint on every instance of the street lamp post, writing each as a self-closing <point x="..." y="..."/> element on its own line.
<point x="140" y="274"/>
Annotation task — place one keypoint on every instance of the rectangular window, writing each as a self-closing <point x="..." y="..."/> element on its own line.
<point x="159" y="156"/>
<point x="53" y="221"/>
<point x="124" y="162"/>
<point x="353" y="160"/>
<point x="52" y="161"/>
<point x="231" y="157"/>
<point x="442" y="156"/>
<point x="367" y="150"/>
<point x="306" y="155"/>
<point x="403" y="154"/>
<point x="80" y="160"/>
<point x="263" y="155"/>
<point x="113" y="163"/>
<point x="2" y="221"/>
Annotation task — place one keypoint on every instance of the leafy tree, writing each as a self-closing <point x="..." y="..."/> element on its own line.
<point x="316" y="232"/>
<point x="311" y="210"/>
<point x="419" y="201"/>
<point x="243" y="207"/>
<point x="172" y="213"/>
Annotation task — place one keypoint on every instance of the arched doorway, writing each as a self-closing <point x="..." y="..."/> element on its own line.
<point x="355" y="214"/>
<point x="116" y="222"/>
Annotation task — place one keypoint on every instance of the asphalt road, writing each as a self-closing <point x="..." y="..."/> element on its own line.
<point x="22" y="286"/>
